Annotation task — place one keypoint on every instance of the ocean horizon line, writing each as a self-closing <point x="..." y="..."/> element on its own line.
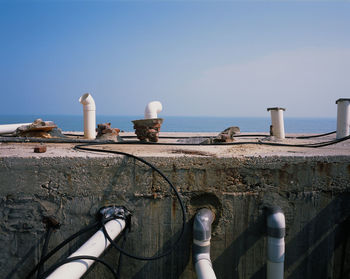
<point x="184" y="123"/>
<point x="140" y="116"/>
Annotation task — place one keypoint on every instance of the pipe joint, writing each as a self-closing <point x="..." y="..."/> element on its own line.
<point x="87" y="101"/>
<point x="202" y="256"/>
<point x="201" y="244"/>
<point x="152" y="109"/>
<point x="276" y="224"/>
<point x="202" y="225"/>
<point x="117" y="212"/>
<point x="276" y="230"/>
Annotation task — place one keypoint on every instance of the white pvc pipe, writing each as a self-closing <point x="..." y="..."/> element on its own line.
<point x="89" y="116"/>
<point x="201" y="244"/>
<point x="343" y="118"/>
<point x="11" y="128"/>
<point x="277" y="122"/>
<point x="275" y="270"/>
<point x="204" y="269"/>
<point x="93" y="247"/>
<point x="152" y="109"/>
<point x="276" y="226"/>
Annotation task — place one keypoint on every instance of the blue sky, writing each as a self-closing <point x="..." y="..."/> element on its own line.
<point x="199" y="58"/>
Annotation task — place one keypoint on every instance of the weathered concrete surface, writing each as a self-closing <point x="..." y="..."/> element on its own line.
<point x="312" y="188"/>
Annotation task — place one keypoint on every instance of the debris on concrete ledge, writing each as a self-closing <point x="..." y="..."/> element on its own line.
<point x="106" y="132"/>
<point x="226" y="135"/>
<point x="148" y="129"/>
<point x="38" y="128"/>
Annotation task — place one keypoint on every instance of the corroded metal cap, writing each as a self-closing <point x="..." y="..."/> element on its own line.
<point x="342" y="100"/>
<point x="276" y="108"/>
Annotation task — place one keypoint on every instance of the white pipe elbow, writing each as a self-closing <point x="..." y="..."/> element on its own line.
<point x="152" y="109"/>
<point x="89" y="108"/>
<point x="87" y="101"/>
<point x="201" y="244"/>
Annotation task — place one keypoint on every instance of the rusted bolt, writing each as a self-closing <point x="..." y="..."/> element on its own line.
<point x="51" y="222"/>
<point x="40" y="149"/>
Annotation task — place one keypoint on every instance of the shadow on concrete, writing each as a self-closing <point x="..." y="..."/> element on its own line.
<point x="176" y="261"/>
<point x="328" y="230"/>
<point x="122" y="167"/>
<point x="226" y="265"/>
<point x="30" y="259"/>
<point x="313" y="246"/>
<point x="23" y="266"/>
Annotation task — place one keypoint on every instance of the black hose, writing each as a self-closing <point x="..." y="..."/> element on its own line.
<point x="120" y="260"/>
<point x="310" y="137"/>
<point x="83" y="147"/>
<point x="44" y="250"/>
<point x="99" y="142"/>
<point x="72" y="259"/>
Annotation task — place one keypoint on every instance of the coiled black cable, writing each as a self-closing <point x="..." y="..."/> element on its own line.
<point x="104" y="220"/>
<point x="167" y="252"/>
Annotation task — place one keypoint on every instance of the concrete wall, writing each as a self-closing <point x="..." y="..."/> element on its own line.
<point x="314" y="192"/>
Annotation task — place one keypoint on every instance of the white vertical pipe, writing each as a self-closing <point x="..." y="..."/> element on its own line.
<point x="276" y="227"/>
<point x="277" y="122"/>
<point x="343" y="117"/>
<point x="89" y="116"/>
<point x="204" y="269"/>
<point x="93" y="247"/>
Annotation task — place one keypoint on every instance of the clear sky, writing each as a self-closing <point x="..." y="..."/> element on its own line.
<point x="199" y="58"/>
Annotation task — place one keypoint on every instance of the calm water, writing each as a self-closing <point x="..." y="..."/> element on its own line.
<point x="185" y="124"/>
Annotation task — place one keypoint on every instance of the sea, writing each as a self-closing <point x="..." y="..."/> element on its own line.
<point x="185" y="123"/>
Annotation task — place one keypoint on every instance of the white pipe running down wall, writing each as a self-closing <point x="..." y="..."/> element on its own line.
<point x="276" y="228"/>
<point x="277" y="122"/>
<point x="89" y="116"/>
<point x="343" y="117"/>
<point x="152" y="109"/>
<point x="93" y="247"/>
<point x="201" y="244"/>
<point x="11" y="128"/>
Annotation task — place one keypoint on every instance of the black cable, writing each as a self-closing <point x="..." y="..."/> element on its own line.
<point x="205" y="137"/>
<point x="72" y="259"/>
<point x="120" y="260"/>
<point x="58" y="247"/>
<point x="235" y="136"/>
<point x="314" y="136"/>
<point x="44" y="250"/>
<point x="98" y="142"/>
<point x="73" y="135"/>
<point x="83" y="147"/>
